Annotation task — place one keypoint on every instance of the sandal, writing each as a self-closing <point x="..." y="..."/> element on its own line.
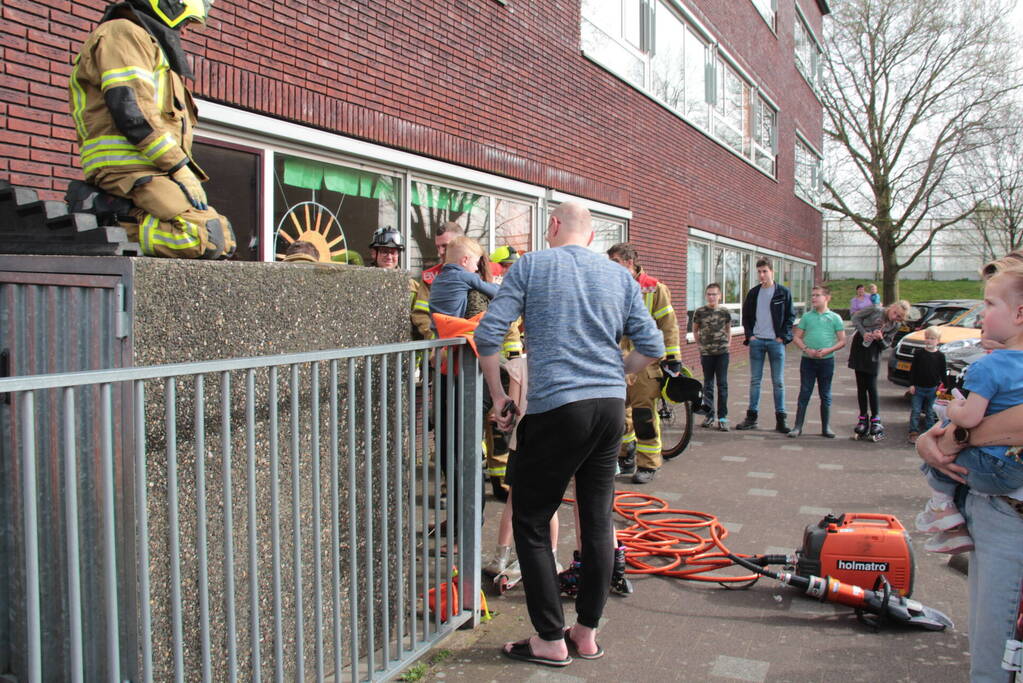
<point x="573" y="647"/>
<point x="523" y="651"/>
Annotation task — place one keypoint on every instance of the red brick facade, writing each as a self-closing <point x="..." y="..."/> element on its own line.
<point x="497" y="87"/>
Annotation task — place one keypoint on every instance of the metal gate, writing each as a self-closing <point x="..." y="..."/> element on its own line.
<point x="277" y="517"/>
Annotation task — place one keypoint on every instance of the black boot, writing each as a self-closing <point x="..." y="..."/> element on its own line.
<point x="779" y="423"/>
<point x="797" y="429"/>
<point x="825" y="418"/>
<point x="750" y="422"/>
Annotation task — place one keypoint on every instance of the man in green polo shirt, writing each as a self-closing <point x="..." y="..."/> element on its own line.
<point x="819" y="334"/>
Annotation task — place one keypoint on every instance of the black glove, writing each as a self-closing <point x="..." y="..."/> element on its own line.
<point x="672" y="367"/>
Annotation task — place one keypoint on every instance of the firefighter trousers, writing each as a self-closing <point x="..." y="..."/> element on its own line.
<point x="642" y="425"/>
<point x="167" y="224"/>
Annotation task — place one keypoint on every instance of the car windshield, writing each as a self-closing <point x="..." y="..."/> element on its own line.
<point x="945" y="314"/>
<point x="971" y="318"/>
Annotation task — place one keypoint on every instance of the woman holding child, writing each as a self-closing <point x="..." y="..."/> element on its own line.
<point x="959" y="452"/>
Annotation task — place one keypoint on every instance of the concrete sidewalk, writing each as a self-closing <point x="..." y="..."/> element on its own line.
<point x="766" y="488"/>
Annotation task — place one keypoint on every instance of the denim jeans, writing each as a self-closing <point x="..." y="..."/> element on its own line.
<point x="987" y="474"/>
<point x="775" y="352"/>
<point x="921" y="412"/>
<point x="715" y="372"/>
<point x="819" y="371"/>
<point x="995" y="582"/>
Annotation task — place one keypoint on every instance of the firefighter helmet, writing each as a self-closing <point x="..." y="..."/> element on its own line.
<point x="387" y="237"/>
<point x="680" y="389"/>
<point x="176" y="12"/>
<point x="505" y="255"/>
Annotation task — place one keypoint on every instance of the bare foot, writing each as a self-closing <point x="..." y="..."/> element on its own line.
<point x="547" y="649"/>
<point x="585" y="639"/>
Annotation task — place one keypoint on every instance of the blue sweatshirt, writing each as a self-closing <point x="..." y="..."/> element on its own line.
<point x="576" y="306"/>
<point x="450" y="290"/>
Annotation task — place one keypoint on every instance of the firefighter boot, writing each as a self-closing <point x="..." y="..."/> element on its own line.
<point x="627" y="460"/>
<point x="797" y="428"/>
<point x="825" y="419"/>
<point x="750" y="422"/>
<point x="779" y="423"/>
<point x="569" y="579"/>
<point x="620" y="584"/>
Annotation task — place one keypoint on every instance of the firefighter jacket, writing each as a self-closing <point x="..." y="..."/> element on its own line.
<point x="657" y="299"/>
<point x="421" y="321"/>
<point x="131" y="111"/>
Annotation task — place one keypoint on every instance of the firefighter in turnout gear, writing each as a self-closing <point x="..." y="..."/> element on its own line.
<point x="134" y="119"/>
<point x="641" y="443"/>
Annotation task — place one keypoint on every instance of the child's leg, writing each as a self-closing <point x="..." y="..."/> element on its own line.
<point x="927" y="407"/>
<point x="989" y="474"/>
<point x="504" y="529"/>
<point x="914" y="411"/>
<point x="861" y="391"/>
<point x="709" y="364"/>
<point x="721" y="379"/>
<point x="824" y="379"/>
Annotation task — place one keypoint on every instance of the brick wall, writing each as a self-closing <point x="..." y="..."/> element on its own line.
<point x="500" y="88"/>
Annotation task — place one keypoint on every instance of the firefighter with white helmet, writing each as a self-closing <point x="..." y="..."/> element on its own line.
<point x="135" y="119"/>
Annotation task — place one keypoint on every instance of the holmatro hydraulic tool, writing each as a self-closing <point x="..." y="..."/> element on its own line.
<point x="860" y="560"/>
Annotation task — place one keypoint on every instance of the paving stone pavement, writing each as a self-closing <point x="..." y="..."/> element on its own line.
<point x="766" y="490"/>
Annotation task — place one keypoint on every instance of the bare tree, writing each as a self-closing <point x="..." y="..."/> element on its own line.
<point x="997" y="192"/>
<point x="912" y="88"/>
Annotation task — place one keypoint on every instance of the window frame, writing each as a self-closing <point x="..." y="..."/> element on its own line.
<point x="812" y="194"/>
<point x="813" y="72"/>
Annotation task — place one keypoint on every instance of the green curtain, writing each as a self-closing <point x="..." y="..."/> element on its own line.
<point x="313" y="175"/>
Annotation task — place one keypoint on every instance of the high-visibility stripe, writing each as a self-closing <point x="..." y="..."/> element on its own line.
<point x="670" y="350"/>
<point x="495" y="471"/>
<point x="421" y="305"/>
<point x="109" y="150"/>
<point x="654" y="447"/>
<point x="150" y="235"/>
<point x="125" y="74"/>
<point x="77" y="102"/>
<point x="661" y="312"/>
<point x="511" y="346"/>
<point x="629" y="438"/>
<point x="648" y="300"/>
<point x="159" y="147"/>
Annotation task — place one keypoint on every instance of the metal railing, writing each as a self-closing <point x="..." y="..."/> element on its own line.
<point x="149" y="534"/>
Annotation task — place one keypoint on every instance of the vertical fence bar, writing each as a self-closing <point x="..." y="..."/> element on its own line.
<point x="412" y="570"/>
<point x="296" y="527"/>
<point x="385" y="492"/>
<point x="464" y="451"/>
<point x="428" y="381"/>
<point x="353" y="582"/>
<point x="399" y="502"/>
<point x="225" y="441"/>
<point x="250" y="444"/>
<point x="33" y="636"/>
<point x="109" y="538"/>
<point x="438" y="457"/>
<point x="275" y="528"/>
<point x="335" y="514"/>
<point x="200" y="527"/>
<point x="455" y="486"/>
<point x="367" y="446"/>
<point x="142" y="514"/>
<point x="71" y="520"/>
<point x="174" y="540"/>
<point x="469" y="557"/>
<point x="314" y="409"/>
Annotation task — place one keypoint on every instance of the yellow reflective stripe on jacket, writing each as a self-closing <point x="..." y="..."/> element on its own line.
<point x="77" y="102"/>
<point x="653" y="447"/>
<point x="109" y="150"/>
<point x="422" y="305"/>
<point x="648" y="299"/>
<point x="628" y="438"/>
<point x="512" y="346"/>
<point x="663" y="311"/>
<point x="672" y="351"/>
<point x="115" y="77"/>
<point x="150" y="235"/>
<point x="159" y="147"/>
<point x="496" y="471"/>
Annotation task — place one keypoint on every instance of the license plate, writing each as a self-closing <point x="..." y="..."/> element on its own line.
<point x="903" y="365"/>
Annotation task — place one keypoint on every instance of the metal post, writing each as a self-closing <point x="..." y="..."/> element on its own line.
<point x="200" y="531"/>
<point x="33" y="636"/>
<point x="250" y="442"/>
<point x="71" y="520"/>
<point x="471" y="478"/>
<point x="225" y="436"/>
<point x="174" y="540"/>
<point x="142" y="514"/>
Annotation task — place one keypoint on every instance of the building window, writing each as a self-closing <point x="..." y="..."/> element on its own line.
<point x="336" y="208"/>
<point x="431" y="206"/>
<point x="807" y="172"/>
<point x="513" y="224"/>
<point x="235" y="179"/>
<point x="767" y="9"/>
<point x="661" y="51"/>
<point x="808" y="52"/>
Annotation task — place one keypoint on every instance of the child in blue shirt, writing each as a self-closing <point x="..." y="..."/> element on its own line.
<point x="819" y="334"/>
<point x="995" y="382"/>
<point x="449" y="293"/>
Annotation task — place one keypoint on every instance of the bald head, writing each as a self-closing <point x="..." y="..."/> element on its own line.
<point x="570" y="224"/>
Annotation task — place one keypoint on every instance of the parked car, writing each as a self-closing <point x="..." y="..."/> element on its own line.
<point x="961" y="333"/>
<point x="936" y="312"/>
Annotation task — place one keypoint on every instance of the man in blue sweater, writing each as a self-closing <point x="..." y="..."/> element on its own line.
<point x="577" y="305"/>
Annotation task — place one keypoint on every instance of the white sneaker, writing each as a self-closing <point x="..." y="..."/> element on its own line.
<point x="940" y="518"/>
<point x="952" y="541"/>
<point x="499" y="561"/>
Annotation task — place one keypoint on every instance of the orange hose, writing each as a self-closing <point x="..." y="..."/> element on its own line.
<point x="666" y="541"/>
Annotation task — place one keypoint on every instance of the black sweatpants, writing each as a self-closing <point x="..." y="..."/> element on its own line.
<point x="579" y="439"/>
